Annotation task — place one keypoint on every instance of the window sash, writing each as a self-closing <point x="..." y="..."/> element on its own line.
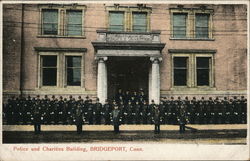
<point x="49" y="71"/>
<point x="74" y="22"/>
<point x="50" y="21"/>
<point x="73" y="70"/>
<point x="180" y="71"/>
<point x="203" y="71"/>
<point x="201" y="25"/>
<point x="116" y="21"/>
<point x="179" y="25"/>
<point x="140" y="22"/>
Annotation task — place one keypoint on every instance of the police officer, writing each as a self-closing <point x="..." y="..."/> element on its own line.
<point x="90" y="107"/>
<point x="128" y="113"/>
<point x="156" y="119"/>
<point x="115" y="116"/>
<point x="79" y="118"/>
<point x="97" y="111"/>
<point x="37" y="118"/>
<point x="137" y="111"/>
<point x="106" y="112"/>
<point x="182" y="118"/>
<point x="144" y="112"/>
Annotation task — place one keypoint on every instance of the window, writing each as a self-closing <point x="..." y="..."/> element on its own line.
<point x="61" y="69"/>
<point x="49" y="70"/>
<point x="74" y="25"/>
<point x="180" y="71"/>
<point x="62" y="21"/>
<point x="179" y="25"/>
<point x="124" y="18"/>
<point x="139" y="22"/>
<point x="116" y="20"/>
<point x="192" y="70"/>
<point x="73" y="64"/>
<point x="50" y="22"/>
<point x="202" y="69"/>
<point x="191" y="23"/>
<point x="201" y="25"/>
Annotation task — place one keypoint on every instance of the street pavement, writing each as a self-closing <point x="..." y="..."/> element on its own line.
<point x="195" y="134"/>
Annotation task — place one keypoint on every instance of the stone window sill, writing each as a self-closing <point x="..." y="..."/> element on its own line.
<point x="59" y="36"/>
<point x="193" y="39"/>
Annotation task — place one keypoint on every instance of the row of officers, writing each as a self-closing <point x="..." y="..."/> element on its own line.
<point x="64" y="111"/>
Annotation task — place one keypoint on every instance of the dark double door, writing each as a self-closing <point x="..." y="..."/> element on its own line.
<point x="127" y="73"/>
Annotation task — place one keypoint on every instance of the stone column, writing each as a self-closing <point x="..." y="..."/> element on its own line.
<point x="102" y="79"/>
<point x="155" y="80"/>
<point x="149" y="83"/>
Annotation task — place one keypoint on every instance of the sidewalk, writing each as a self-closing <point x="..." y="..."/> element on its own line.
<point x="123" y="127"/>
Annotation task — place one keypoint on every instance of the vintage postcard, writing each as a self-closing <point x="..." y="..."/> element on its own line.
<point x="124" y="80"/>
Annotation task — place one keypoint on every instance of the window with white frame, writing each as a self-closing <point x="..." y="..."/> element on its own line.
<point x="61" y="69"/>
<point x="62" y="21"/>
<point x="192" y="70"/>
<point x="191" y="23"/>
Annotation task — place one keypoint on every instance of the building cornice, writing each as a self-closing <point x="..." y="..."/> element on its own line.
<point x="128" y="45"/>
<point x="49" y="49"/>
<point x="200" y="51"/>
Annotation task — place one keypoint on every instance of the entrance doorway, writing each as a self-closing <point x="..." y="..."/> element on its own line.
<point x="127" y="73"/>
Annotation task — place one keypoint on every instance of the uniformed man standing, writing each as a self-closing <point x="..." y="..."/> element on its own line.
<point x="79" y="119"/>
<point x="37" y="118"/>
<point x="106" y="112"/>
<point x="115" y="115"/>
<point x="182" y="118"/>
<point x="157" y="119"/>
<point x="97" y="112"/>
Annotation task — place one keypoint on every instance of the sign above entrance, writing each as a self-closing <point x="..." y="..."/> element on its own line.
<point x="136" y="37"/>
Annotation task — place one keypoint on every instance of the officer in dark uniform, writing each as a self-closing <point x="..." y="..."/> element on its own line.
<point x="122" y="109"/>
<point x="243" y="106"/>
<point x="128" y="118"/>
<point x="144" y="112"/>
<point x="60" y="110"/>
<point x="37" y="118"/>
<point x="127" y="97"/>
<point x="79" y="118"/>
<point x="162" y="110"/>
<point x="156" y="119"/>
<point x="115" y="116"/>
<point x="106" y="112"/>
<point x="97" y="111"/>
<point x="137" y="116"/>
<point x="182" y="118"/>
<point x="90" y="107"/>
<point x="227" y="111"/>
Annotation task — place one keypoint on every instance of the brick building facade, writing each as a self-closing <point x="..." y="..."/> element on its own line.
<point x="96" y="49"/>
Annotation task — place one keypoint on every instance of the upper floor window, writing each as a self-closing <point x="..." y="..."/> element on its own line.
<point x="139" y="22"/>
<point x="179" y="25"/>
<point x="74" y="22"/>
<point x="202" y="26"/>
<point x="128" y="19"/>
<point x="50" y="22"/>
<point x="62" y="21"/>
<point x="116" y="21"/>
<point x="191" y="24"/>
